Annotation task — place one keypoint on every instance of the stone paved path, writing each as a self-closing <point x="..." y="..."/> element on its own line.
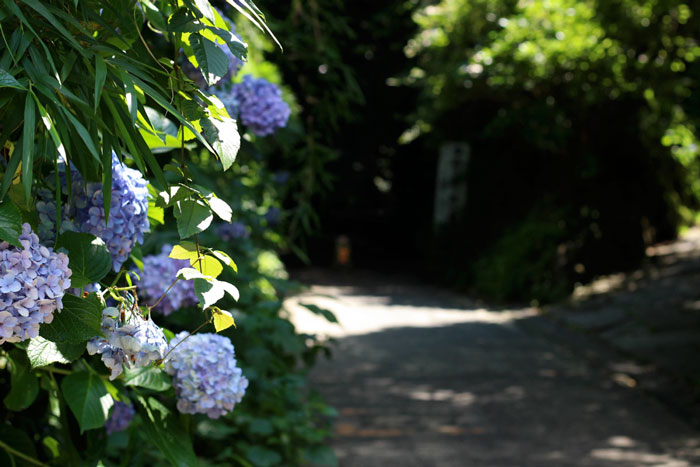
<point x="421" y="377"/>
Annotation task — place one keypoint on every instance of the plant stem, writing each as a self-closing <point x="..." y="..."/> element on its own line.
<point x="187" y="337"/>
<point x="164" y="294"/>
<point x="55" y="370"/>
<point x="21" y="455"/>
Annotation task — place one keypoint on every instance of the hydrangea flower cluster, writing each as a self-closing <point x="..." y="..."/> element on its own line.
<point x="134" y="342"/>
<point x="261" y="106"/>
<point x="33" y="280"/>
<point x="119" y="417"/>
<point x="205" y="375"/>
<point x="273" y="215"/>
<point x="159" y="271"/>
<point x="234" y="230"/>
<point x="128" y="216"/>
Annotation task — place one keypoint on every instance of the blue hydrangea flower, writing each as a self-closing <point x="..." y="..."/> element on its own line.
<point x="159" y="272"/>
<point x="273" y="215"/>
<point x="128" y="216"/>
<point x="234" y="230"/>
<point x="281" y="177"/>
<point x="133" y="341"/>
<point x="261" y="106"/>
<point x="228" y="98"/>
<point x="205" y="375"/>
<point x="119" y="417"/>
<point x="33" y="280"/>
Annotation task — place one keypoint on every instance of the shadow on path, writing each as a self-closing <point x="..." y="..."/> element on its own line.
<point x="424" y="378"/>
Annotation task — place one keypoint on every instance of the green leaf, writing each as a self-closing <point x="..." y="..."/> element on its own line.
<point x="185" y="250"/>
<point x="223" y="320"/>
<point x="263" y="457"/>
<point x="320" y="456"/>
<point x="9" y="81"/>
<point x="212" y="60"/>
<point x="89" y="257"/>
<point x="225" y="258"/>
<point x="28" y="133"/>
<point x="165" y="430"/>
<point x="10" y="223"/>
<point x="209" y="292"/>
<point x="223" y="137"/>
<point x="189" y="274"/>
<point x="19" y="441"/>
<point x="42" y="352"/>
<point x="192" y="217"/>
<point x="87" y="398"/>
<point x="221" y="208"/>
<point x="207" y="265"/>
<point x="100" y="76"/>
<point x="320" y="311"/>
<point x="149" y="377"/>
<point x="24" y="385"/>
<point x="79" y="320"/>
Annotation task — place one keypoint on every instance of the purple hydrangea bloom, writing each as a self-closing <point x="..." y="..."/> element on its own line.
<point x="33" y="280"/>
<point x="261" y="106"/>
<point x="159" y="272"/>
<point x="119" y="417"/>
<point x="234" y="230"/>
<point x="205" y="375"/>
<point x="128" y="216"/>
<point x="134" y="342"/>
<point x="273" y="215"/>
<point x="228" y="98"/>
<point x="281" y="177"/>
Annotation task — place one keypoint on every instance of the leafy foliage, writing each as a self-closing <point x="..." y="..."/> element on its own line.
<point x="93" y="91"/>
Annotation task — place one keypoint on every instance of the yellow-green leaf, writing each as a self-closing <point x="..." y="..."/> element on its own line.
<point x="223" y="320"/>
<point x="185" y="250"/>
<point x="209" y="266"/>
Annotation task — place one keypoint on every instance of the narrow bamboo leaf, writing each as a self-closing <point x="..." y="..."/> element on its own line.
<point x="100" y="76"/>
<point x="28" y="144"/>
<point x="107" y="146"/>
<point x="84" y="134"/>
<point x="50" y="127"/>
<point x="43" y="11"/>
<point x="88" y="399"/>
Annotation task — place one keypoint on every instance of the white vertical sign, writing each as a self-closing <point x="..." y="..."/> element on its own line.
<point x="451" y="183"/>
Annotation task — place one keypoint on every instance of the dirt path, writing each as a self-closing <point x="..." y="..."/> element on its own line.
<point x="421" y="377"/>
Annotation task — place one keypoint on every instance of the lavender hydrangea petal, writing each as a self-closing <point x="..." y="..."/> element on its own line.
<point x="158" y="274"/>
<point x="33" y="280"/>
<point x="205" y="375"/>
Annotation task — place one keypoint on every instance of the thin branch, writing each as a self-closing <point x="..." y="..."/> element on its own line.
<point x="21" y="455"/>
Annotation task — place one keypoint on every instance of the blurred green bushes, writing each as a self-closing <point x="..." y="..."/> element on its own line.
<point x="582" y="117"/>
